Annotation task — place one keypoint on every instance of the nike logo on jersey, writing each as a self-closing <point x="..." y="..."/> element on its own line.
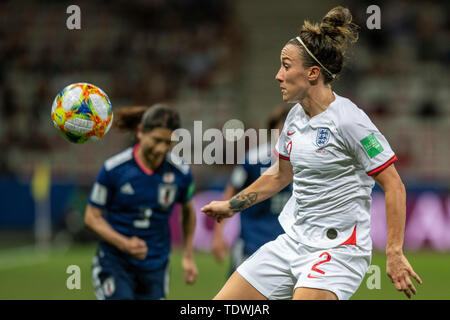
<point x="290" y="133"/>
<point x="127" y="189"/>
<point x="312" y="277"/>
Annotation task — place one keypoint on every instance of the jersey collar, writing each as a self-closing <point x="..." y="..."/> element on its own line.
<point x="141" y="165"/>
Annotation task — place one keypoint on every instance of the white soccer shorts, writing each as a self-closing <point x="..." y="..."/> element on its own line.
<point x="282" y="265"/>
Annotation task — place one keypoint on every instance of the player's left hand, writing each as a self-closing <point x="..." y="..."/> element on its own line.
<point x="190" y="270"/>
<point x="399" y="271"/>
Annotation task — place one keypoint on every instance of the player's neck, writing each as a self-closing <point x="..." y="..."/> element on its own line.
<point x="317" y="100"/>
<point x="150" y="165"/>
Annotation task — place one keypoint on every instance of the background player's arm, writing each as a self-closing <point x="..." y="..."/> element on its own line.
<point x="397" y="266"/>
<point x="188" y="221"/>
<point x="219" y="245"/>
<point x="271" y="182"/>
<point x="94" y="220"/>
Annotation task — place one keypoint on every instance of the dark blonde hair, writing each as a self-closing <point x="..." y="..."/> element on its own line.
<point x="328" y="41"/>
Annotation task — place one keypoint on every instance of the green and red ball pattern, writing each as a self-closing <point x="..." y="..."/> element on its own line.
<point x="82" y="112"/>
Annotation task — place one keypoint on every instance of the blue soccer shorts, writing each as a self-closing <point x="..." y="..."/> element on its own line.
<point x="114" y="278"/>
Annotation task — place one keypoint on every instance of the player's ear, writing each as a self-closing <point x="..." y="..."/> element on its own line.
<point x="313" y="73"/>
<point x="139" y="131"/>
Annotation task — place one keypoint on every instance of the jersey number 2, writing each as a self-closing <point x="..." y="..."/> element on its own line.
<point x="328" y="258"/>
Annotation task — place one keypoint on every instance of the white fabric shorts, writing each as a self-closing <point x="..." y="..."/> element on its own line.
<point x="282" y="265"/>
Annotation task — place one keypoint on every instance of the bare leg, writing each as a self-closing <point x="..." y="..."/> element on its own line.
<point x="313" y="294"/>
<point x="237" y="288"/>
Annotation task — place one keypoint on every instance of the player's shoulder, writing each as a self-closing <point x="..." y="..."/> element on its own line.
<point x="178" y="163"/>
<point x="347" y="113"/>
<point x="119" y="159"/>
<point x="293" y="113"/>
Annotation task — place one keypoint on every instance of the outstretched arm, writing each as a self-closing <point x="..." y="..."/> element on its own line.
<point x="271" y="182"/>
<point x="397" y="266"/>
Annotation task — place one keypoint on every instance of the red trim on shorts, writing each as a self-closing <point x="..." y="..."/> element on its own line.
<point x="283" y="157"/>
<point x="382" y="167"/>
<point x="351" y="240"/>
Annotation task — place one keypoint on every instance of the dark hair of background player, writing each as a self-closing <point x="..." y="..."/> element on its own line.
<point x="156" y="116"/>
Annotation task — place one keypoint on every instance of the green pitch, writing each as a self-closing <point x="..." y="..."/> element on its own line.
<point x="24" y="274"/>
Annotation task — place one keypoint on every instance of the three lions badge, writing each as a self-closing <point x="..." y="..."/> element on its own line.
<point x="323" y="137"/>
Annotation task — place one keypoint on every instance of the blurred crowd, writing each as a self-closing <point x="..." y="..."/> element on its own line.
<point x="402" y="77"/>
<point x="138" y="52"/>
<point x="141" y="52"/>
<point x="403" y="68"/>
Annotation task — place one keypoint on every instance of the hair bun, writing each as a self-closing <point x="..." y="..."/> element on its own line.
<point x="337" y="24"/>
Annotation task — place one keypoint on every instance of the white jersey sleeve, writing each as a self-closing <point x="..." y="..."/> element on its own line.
<point x="366" y="143"/>
<point x="284" y="144"/>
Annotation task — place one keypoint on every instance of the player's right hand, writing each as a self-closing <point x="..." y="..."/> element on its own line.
<point x="137" y="248"/>
<point x="218" y="210"/>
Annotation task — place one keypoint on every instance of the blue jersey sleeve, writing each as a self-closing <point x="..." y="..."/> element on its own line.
<point x="102" y="190"/>
<point x="187" y="188"/>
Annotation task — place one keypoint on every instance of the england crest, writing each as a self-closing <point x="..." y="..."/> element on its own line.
<point x="323" y="137"/>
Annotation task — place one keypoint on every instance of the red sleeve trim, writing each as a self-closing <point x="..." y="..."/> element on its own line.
<point x="382" y="167"/>
<point x="283" y="157"/>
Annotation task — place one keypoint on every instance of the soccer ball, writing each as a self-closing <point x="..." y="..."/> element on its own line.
<point x="82" y="112"/>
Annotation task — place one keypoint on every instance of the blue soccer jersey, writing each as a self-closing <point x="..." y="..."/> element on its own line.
<point x="138" y="202"/>
<point x="259" y="223"/>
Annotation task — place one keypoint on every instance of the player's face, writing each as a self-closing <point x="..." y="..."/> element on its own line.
<point x="155" y="143"/>
<point x="293" y="77"/>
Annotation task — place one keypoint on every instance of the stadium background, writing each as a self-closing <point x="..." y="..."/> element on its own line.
<point x="214" y="61"/>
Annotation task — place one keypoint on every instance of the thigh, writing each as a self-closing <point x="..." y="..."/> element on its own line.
<point x="313" y="294"/>
<point x="237" y="288"/>
<point x="268" y="269"/>
<point x="153" y="285"/>
<point x="111" y="281"/>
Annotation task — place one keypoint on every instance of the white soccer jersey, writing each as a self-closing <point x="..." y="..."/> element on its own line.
<point x="333" y="155"/>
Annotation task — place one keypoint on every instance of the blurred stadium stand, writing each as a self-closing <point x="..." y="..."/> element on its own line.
<point x="214" y="60"/>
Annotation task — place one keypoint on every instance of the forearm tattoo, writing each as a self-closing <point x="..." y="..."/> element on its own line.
<point x="242" y="201"/>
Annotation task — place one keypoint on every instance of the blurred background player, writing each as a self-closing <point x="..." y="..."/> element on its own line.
<point x="334" y="154"/>
<point x="130" y="205"/>
<point x="259" y="223"/>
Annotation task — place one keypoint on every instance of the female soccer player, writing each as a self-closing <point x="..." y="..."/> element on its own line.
<point x="334" y="154"/>
<point x="259" y="223"/>
<point x="130" y="205"/>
